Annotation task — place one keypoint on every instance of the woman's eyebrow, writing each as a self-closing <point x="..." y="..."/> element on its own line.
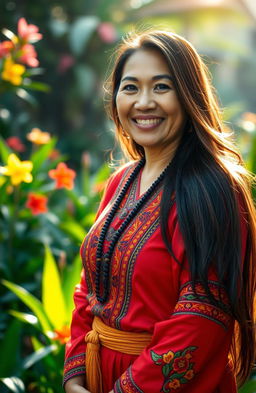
<point x="156" y="77"/>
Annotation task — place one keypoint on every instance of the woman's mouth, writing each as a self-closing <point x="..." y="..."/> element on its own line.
<point x="147" y="123"/>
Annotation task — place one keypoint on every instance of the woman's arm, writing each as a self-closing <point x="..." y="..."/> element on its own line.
<point x="75" y="385"/>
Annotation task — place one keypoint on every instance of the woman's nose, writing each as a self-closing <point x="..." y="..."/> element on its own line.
<point x="145" y="101"/>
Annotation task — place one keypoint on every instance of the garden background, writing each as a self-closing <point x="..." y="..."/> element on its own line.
<point x="55" y="141"/>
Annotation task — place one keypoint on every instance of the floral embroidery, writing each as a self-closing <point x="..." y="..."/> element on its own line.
<point x="177" y="367"/>
<point x="199" y="303"/>
<point x="75" y="365"/>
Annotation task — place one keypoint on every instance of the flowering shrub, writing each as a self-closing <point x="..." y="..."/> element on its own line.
<point x="18" y="53"/>
<point x="44" y="205"/>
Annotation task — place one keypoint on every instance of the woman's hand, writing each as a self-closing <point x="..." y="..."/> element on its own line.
<point x="75" y="385"/>
<point x="112" y="391"/>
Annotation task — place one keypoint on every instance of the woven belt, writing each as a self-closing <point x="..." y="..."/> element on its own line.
<point x="130" y="343"/>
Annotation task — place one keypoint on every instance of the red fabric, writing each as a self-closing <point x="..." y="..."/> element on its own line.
<point x="151" y="292"/>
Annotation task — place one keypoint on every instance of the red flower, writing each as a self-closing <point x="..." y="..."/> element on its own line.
<point x="29" y="56"/>
<point x="5" y="48"/>
<point x="37" y="203"/>
<point x="181" y="364"/>
<point x="28" y="33"/>
<point x="63" y="176"/>
<point x="15" y="143"/>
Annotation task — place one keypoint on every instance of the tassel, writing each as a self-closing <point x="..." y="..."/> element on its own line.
<point x="92" y="363"/>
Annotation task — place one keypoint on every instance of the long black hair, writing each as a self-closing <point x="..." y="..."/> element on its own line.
<point x="211" y="186"/>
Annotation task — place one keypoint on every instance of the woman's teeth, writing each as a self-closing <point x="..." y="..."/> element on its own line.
<point x="148" y="121"/>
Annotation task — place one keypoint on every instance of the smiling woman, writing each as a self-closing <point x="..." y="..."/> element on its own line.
<point x="166" y="298"/>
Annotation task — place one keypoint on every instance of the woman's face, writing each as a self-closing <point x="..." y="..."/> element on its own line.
<point x="146" y="102"/>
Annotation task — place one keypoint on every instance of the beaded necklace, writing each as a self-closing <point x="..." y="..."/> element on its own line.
<point x="103" y="261"/>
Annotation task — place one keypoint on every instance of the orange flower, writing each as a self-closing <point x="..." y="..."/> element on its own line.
<point x="29" y="56"/>
<point x="62" y="335"/>
<point x="189" y="374"/>
<point x="5" y="48"/>
<point x="37" y="203"/>
<point x="38" y="137"/>
<point x="174" y="384"/>
<point x="15" y="143"/>
<point x="167" y="357"/>
<point x="28" y="33"/>
<point x="63" y="176"/>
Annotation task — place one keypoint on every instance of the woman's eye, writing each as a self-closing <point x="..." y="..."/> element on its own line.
<point x="162" y="86"/>
<point x="130" y="88"/>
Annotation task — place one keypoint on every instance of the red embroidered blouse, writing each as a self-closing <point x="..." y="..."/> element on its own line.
<point x="151" y="292"/>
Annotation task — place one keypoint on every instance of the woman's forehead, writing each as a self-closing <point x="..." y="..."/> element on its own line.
<point x="145" y="62"/>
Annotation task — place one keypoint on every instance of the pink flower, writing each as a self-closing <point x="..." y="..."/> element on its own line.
<point x="15" y="143"/>
<point x="107" y="32"/>
<point x="28" y="33"/>
<point x="66" y="61"/>
<point x="28" y="56"/>
<point x="5" y="48"/>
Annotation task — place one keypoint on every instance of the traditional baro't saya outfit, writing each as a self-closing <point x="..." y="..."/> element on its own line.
<point x="186" y="338"/>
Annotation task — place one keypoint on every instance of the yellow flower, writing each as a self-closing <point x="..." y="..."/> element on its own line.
<point x="38" y="137"/>
<point x="12" y="72"/>
<point x="18" y="171"/>
<point x="167" y="357"/>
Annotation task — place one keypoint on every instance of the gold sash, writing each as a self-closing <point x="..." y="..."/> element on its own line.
<point x="126" y="342"/>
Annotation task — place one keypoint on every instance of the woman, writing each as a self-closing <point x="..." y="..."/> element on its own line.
<point x="165" y="303"/>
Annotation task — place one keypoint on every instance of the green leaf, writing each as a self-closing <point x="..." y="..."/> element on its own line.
<point x="37" y="356"/>
<point x="52" y="295"/>
<point x="39" y="157"/>
<point x="8" y="347"/>
<point x="24" y="317"/>
<point x="15" y="384"/>
<point x="188" y="349"/>
<point x="36" y="343"/>
<point x="71" y="277"/>
<point x="5" y="151"/>
<point x="248" y="387"/>
<point x="29" y="84"/>
<point x="80" y="33"/>
<point x="2" y="180"/>
<point x="251" y="162"/>
<point x="33" y="303"/>
<point x="102" y="174"/>
<point x="155" y="357"/>
<point x="24" y="95"/>
<point x="166" y="369"/>
<point x="74" y="229"/>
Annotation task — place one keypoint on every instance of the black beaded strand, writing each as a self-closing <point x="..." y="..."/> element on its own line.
<point x="103" y="264"/>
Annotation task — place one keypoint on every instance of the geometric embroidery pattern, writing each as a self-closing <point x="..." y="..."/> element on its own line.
<point x="73" y="366"/>
<point x="126" y="384"/>
<point x="124" y="256"/>
<point x="199" y="304"/>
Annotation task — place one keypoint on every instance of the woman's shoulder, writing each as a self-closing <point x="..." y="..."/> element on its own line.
<point x="120" y="172"/>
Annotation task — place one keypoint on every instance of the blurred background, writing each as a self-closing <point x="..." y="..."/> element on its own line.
<point x="42" y="224"/>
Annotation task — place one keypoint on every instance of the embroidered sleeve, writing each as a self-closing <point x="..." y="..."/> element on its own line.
<point x="189" y="350"/>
